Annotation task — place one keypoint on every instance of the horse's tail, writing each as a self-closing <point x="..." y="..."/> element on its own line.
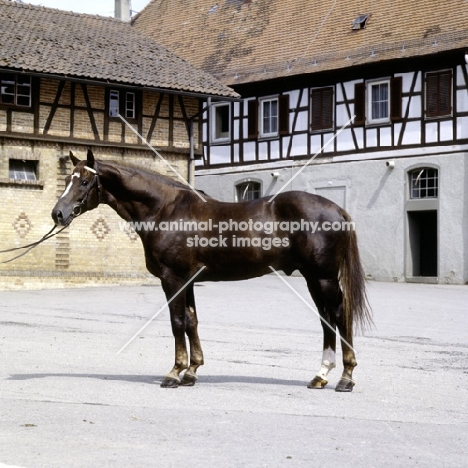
<point x="356" y="307"/>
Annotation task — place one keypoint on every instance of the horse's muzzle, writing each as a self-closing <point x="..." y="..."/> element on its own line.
<point x="60" y="219"/>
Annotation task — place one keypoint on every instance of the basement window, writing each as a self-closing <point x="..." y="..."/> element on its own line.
<point x="22" y="170"/>
<point x="246" y="191"/>
<point x="424" y="183"/>
<point x="360" y="22"/>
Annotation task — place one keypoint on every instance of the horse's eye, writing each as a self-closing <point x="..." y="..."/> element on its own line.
<point x="84" y="183"/>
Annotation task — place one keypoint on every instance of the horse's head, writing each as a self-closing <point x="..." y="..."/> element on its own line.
<point x="82" y="191"/>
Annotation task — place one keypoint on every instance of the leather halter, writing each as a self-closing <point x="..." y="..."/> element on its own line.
<point x="76" y="210"/>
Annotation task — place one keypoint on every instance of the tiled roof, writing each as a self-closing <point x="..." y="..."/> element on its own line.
<point x="44" y="40"/>
<point x="239" y="41"/>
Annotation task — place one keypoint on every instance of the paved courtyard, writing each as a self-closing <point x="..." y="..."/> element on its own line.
<point x="68" y="399"/>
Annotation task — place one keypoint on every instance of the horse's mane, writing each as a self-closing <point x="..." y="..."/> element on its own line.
<point x="148" y="172"/>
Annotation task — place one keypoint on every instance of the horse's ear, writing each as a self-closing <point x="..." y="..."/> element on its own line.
<point x="74" y="159"/>
<point x="90" y="158"/>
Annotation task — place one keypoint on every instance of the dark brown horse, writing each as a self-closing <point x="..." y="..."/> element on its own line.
<point x="185" y="236"/>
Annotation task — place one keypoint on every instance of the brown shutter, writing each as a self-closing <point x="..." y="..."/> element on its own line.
<point x="252" y="119"/>
<point x="283" y="117"/>
<point x="445" y="93"/>
<point x="439" y="94"/>
<point x="360" y="103"/>
<point x="432" y="92"/>
<point x="322" y="109"/>
<point x="327" y="108"/>
<point x="396" y="98"/>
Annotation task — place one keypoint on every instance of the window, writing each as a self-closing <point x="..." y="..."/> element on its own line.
<point x="377" y="102"/>
<point x="129" y="103"/>
<point x="246" y="191"/>
<point x="270" y="115"/>
<point x="114" y="103"/>
<point x="130" y="110"/>
<point x="220" y="122"/>
<point x="322" y="108"/>
<point x="439" y="94"/>
<point x="360" y="22"/>
<point x="22" y="170"/>
<point x="424" y="183"/>
<point x="16" y="90"/>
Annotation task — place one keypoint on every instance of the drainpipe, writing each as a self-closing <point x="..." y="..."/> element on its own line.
<point x="122" y="10"/>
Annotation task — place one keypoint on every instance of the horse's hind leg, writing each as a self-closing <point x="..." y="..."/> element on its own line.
<point x="346" y="382"/>
<point x="329" y="335"/>
<point x="333" y="298"/>
<point x="191" y="328"/>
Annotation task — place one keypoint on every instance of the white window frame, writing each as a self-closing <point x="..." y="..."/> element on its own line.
<point x="130" y="105"/>
<point x="369" y="86"/>
<point x="262" y="132"/>
<point x="217" y="136"/>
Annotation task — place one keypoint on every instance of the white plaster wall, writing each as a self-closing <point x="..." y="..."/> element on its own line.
<point x="374" y="195"/>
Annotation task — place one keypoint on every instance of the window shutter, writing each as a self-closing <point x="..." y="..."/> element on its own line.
<point x="360" y="103"/>
<point x="439" y="94"/>
<point x="322" y="109"/>
<point x="396" y="98"/>
<point x="252" y="119"/>
<point x="432" y="85"/>
<point x="283" y="118"/>
<point x="327" y="108"/>
<point x="445" y="92"/>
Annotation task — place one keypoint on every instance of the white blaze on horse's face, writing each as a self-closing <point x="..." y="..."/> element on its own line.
<point x="69" y="186"/>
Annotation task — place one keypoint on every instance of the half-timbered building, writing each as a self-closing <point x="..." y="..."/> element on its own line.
<point x="72" y="82"/>
<point x="363" y="102"/>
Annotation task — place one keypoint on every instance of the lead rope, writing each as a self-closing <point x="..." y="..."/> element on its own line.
<point x="31" y="246"/>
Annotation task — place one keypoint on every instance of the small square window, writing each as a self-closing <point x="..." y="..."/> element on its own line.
<point x="424" y="183"/>
<point x="247" y="191"/>
<point x="22" y="170"/>
<point x="15" y="90"/>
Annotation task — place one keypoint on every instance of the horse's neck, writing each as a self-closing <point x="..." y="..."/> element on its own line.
<point x="132" y="195"/>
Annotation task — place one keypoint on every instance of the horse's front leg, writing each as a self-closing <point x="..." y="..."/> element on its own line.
<point x="178" y="323"/>
<point x="191" y="328"/>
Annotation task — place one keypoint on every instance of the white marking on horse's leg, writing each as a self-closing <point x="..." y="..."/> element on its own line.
<point x="328" y="363"/>
<point x="69" y="186"/>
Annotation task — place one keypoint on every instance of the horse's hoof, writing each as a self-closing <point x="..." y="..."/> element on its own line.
<point x="170" y="382"/>
<point x="344" y="385"/>
<point x="317" y="382"/>
<point x="188" y="380"/>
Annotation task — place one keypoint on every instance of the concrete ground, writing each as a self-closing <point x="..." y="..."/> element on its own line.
<point x="69" y="400"/>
